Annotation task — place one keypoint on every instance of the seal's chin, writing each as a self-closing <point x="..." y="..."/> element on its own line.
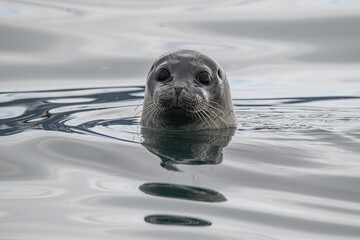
<point x="177" y="116"/>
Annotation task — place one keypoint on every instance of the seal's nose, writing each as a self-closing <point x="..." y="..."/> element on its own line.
<point x="178" y="90"/>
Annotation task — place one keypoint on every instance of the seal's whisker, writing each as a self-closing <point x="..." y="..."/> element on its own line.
<point x="205" y="112"/>
<point x="201" y="113"/>
<point x="216" y="108"/>
<point x="170" y="57"/>
<point x="174" y="55"/>
<point x="153" y="110"/>
<point x="199" y="61"/>
<point x="196" y="57"/>
<point x="221" y="83"/>
<point x="212" y="108"/>
<point x="197" y="114"/>
<point x="211" y="111"/>
<point x="138" y="106"/>
<point x="215" y="103"/>
<point x="203" y="49"/>
<point x="138" y="113"/>
<point x="203" y="119"/>
<point x="150" y="109"/>
<point x="158" y="111"/>
<point x="218" y="114"/>
<point x="152" y="115"/>
<point x="144" y="108"/>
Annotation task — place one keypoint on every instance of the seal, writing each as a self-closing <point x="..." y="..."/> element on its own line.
<point x="187" y="90"/>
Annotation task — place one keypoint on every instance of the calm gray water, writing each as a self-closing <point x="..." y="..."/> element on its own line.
<point x="74" y="164"/>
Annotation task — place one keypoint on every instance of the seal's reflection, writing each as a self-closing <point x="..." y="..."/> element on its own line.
<point x="180" y="192"/>
<point x="190" y="148"/>
<point x="176" y="220"/>
<point x="187" y="147"/>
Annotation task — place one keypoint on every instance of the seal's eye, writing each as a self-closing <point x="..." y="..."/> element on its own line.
<point x="162" y="74"/>
<point x="204" y="78"/>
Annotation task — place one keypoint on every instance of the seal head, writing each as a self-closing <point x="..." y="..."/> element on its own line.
<point x="187" y="90"/>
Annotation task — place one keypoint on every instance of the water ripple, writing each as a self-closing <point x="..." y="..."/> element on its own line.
<point x="21" y="192"/>
<point x="57" y="113"/>
<point x="74" y="162"/>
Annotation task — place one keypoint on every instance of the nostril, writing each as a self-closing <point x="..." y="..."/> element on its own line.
<point x="178" y="90"/>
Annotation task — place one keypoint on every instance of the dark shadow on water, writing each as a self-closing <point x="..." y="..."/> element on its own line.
<point x="176" y="220"/>
<point x="187" y="147"/>
<point x="182" y="192"/>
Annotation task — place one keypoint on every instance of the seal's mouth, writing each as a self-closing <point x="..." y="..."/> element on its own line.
<point x="177" y="109"/>
<point x="177" y="115"/>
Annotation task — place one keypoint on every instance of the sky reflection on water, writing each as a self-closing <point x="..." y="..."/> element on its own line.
<point x="75" y="164"/>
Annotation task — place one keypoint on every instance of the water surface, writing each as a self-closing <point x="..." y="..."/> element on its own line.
<point x="75" y="164"/>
